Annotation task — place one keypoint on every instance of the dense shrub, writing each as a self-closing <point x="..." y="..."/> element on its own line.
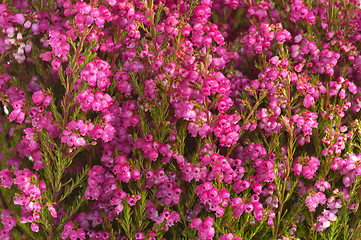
<point x="180" y="119"/>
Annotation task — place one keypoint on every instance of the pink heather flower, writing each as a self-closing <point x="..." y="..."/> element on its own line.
<point x="56" y="63"/>
<point x="204" y="130"/>
<point x="210" y="232"/>
<point x="311" y="204"/>
<point x="257" y="188"/>
<point x="18" y="115"/>
<point x="330" y="216"/>
<point x="342" y="94"/>
<point x="248" y="208"/>
<point x="347" y="181"/>
<point x="139" y="235"/>
<point x="228" y="236"/>
<point x="311" y="18"/>
<point x="274" y="60"/>
<point x="81" y="234"/>
<point x="224" y="104"/>
<point x="297" y="169"/>
<point x="135" y="174"/>
<point x="322" y="185"/>
<point x="357" y="171"/>
<point x="308" y="101"/>
<point x="208" y="222"/>
<point x="73" y="235"/>
<point x="282" y="36"/>
<point x="35" y="227"/>
<point x="118" y="208"/>
<point x="6" y="178"/>
<point x="324" y="220"/>
<point x="36" y="216"/>
<point x="38" y="97"/>
<point x="323" y="223"/>
<point x="97" y="132"/>
<point x="5" y="213"/>
<point x="108" y="133"/>
<point x="37" y="207"/>
<point x="33" y="192"/>
<point x="307" y="172"/>
<point x="47" y="56"/>
<point x="258" y="214"/>
<point x="299" y="67"/>
<point x="193" y="129"/>
<point x="52" y="211"/>
<point x="196" y="223"/>
<point x="80" y="142"/>
<point x="131" y="201"/>
<point x="9" y="223"/>
<point x="351" y="87"/>
<point x="19" y="18"/>
<point x="352" y="206"/>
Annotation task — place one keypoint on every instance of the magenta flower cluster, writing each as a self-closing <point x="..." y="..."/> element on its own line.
<point x="180" y="119"/>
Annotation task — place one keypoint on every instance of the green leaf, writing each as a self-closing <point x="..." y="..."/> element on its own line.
<point x="74" y="183"/>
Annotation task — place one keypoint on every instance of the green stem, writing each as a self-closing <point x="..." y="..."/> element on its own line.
<point x="62" y="152"/>
<point x="152" y="27"/>
<point x="288" y="162"/>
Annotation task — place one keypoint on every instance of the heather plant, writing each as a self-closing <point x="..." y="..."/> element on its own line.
<point x="180" y="119"/>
